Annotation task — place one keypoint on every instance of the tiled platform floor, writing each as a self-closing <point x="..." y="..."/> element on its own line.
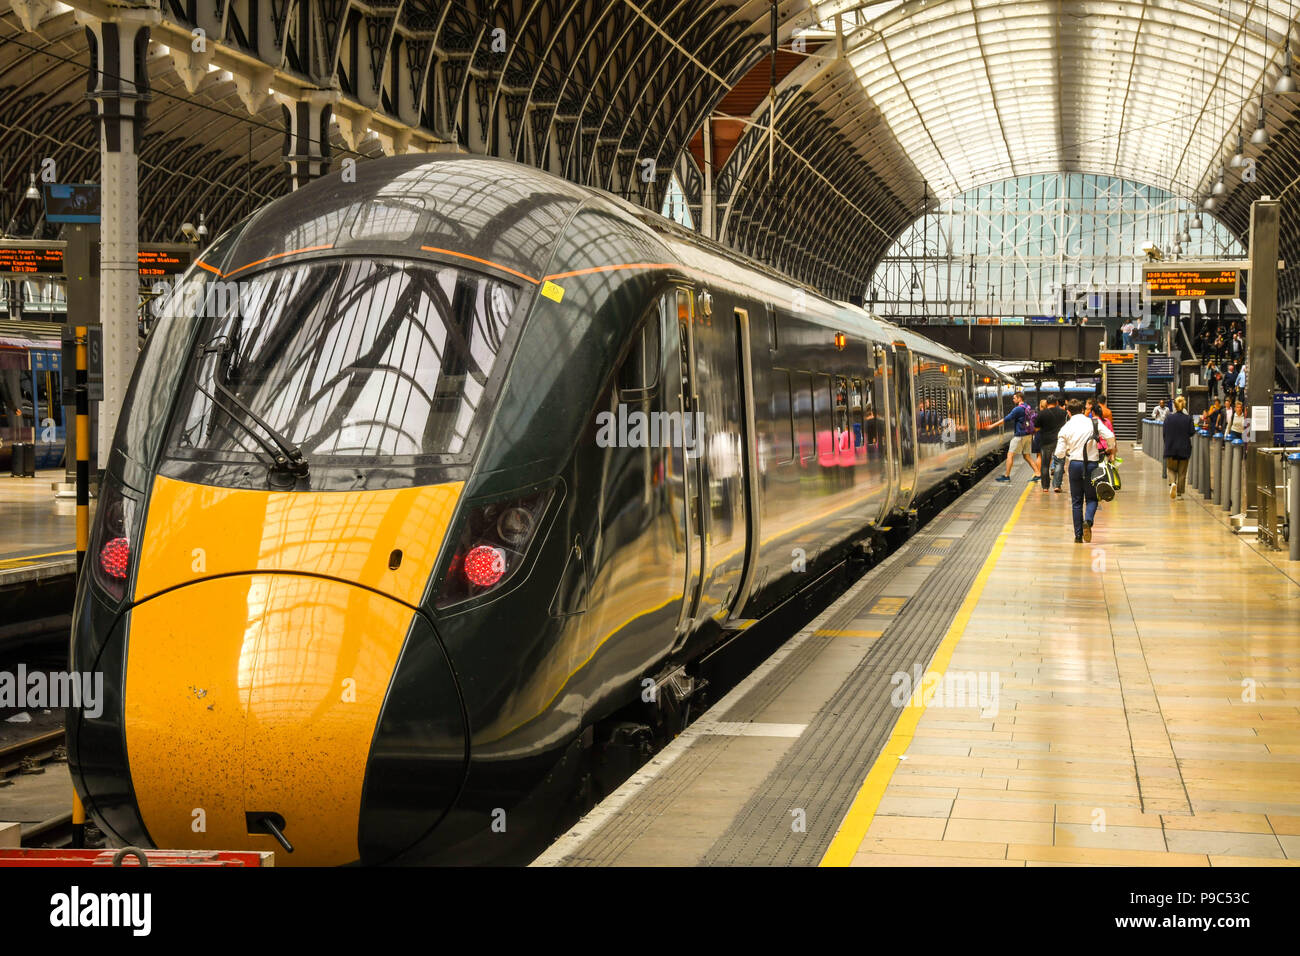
<point x="1148" y="705"/>
<point x="33" y="521"/>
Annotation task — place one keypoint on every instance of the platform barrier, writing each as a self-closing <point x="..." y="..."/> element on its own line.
<point x="1293" y="506"/>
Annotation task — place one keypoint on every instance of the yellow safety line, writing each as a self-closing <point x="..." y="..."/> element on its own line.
<point x="846" y="632"/>
<point x="853" y="829"/>
<point x="33" y="557"/>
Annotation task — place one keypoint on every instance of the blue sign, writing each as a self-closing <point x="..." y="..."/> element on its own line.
<point x="72" y="202"/>
<point x="1046" y="320"/>
<point x="1286" y="419"/>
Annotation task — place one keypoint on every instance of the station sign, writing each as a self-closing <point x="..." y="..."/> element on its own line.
<point x="1286" y="419"/>
<point x="1117" y="358"/>
<point x="30" y="259"/>
<point x="1046" y="320"/>
<point x="988" y="320"/>
<point x="94" y="364"/>
<point x="1185" y="281"/>
<point x="1013" y="320"/>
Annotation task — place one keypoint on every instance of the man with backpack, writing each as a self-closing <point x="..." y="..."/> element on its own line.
<point x="1077" y="444"/>
<point x="1021" y="438"/>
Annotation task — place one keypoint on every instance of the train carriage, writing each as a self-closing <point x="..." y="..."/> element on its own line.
<point x="423" y="480"/>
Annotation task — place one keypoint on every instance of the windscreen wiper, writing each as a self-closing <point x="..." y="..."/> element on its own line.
<point x="287" y="458"/>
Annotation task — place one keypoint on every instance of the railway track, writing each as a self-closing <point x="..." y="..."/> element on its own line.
<point x="31" y="756"/>
<point x="27" y="756"/>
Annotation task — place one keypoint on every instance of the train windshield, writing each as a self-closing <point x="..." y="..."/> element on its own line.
<point x="357" y="358"/>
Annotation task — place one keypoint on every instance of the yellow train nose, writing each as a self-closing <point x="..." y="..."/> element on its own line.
<point x="258" y="694"/>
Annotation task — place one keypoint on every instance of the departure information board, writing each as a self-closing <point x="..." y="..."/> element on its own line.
<point x="48" y="260"/>
<point x="163" y="262"/>
<point x="1183" y="282"/>
<point x="29" y="260"/>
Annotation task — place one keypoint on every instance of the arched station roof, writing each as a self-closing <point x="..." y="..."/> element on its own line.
<point x="882" y="108"/>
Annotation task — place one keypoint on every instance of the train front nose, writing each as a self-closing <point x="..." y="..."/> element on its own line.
<point x="295" y="697"/>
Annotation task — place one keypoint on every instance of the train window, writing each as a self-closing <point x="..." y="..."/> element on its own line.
<point x="857" y="413"/>
<point x="782" y="419"/>
<point x="806" y="423"/>
<point x="824" y="418"/>
<point x="771" y="328"/>
<point x="640" y="370"/>
<point x="840" y="394"/>
<point x="359" y="357"/>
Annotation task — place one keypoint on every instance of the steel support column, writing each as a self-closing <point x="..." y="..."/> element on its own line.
<point x="307" y="135"/>
<point x="1261" y="326"/>
<point x="118" y="91"/>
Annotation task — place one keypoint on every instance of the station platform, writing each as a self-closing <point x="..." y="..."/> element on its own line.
<point x="39" y="535"/>
<point x="1132" y="701"/>
<point x="38" y="557"/>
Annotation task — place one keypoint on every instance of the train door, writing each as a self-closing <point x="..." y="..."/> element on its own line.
<point x="713" y="352"/>
<point x="686" y="453"/>
<point x="747" y="463"/>
<point x="904" y="422"/>
<point x="877" y="427"/>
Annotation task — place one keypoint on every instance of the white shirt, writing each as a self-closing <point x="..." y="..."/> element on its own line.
<point x="1076" y="436"/>
<point x="1160" y="412"/>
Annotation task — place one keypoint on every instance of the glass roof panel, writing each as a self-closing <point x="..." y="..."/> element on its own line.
<point x="979" y="90"/>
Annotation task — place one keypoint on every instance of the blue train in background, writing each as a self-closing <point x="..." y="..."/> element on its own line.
<point x="31" y="391"/>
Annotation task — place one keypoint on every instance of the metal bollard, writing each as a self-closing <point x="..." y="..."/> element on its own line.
<point x="1293" y="517"/>
<point x="1234" y="483"/>
<point x="1193" y="466"/>
<point x="1204" y="462"/>
<point x="1225" y="472"/>
<point x="1216" y="469"/>
<point x="1207" y="444"/>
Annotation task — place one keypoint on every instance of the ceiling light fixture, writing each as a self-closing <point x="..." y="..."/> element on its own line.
<point x="32" y="192"/>
<point x="1286" y="82"/>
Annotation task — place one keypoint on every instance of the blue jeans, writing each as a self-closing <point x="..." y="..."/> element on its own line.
<point x="1081" y="490"/>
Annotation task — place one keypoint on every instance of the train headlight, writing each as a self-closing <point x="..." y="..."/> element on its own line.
<point x="492" y="545"/>
<point x="515" y="526"/>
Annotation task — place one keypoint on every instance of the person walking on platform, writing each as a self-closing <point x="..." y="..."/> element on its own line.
<point x="1020" y="437"/>
<point x="1214" y="418"/>
<point x="1178" y="446"/>
<point x="1051" y="469"/>
<point x="1237" y="426"/>
<point x="1077" y="444"/>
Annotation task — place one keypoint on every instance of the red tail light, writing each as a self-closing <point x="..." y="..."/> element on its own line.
<point x="484" y="565"/>
<point x="493" y="542"/>
<point x="110" y="542"/>
<point x="114" y="558"/>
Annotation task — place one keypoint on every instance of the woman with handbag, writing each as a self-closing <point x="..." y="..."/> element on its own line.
<point x="1077" y="444"/>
